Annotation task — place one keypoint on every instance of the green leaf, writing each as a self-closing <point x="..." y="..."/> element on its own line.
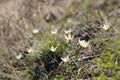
<point x="58" y="78"/>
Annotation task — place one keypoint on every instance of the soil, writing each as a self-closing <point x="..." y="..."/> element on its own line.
<point x="9" y="6"/>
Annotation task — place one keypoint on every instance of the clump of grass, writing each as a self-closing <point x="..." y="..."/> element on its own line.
<point x="107" y="66"/>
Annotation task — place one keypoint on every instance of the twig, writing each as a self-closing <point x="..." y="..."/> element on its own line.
<point x="88" y="58"/>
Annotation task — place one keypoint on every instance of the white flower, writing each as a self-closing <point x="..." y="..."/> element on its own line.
<point x="83" y="43"/>
<point x="66" y="59"/>
<point x="53" y="49"/>
<point x="54" y="31"/>
<point x="35" y="31"/>
<point x="19" y="56"/>
<point x="69" y="37"/>
<point x="30" y="50"/>
<point x="69" y="20"/>
<point x="68" y="31"/>
<point x="106" y="26"/>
